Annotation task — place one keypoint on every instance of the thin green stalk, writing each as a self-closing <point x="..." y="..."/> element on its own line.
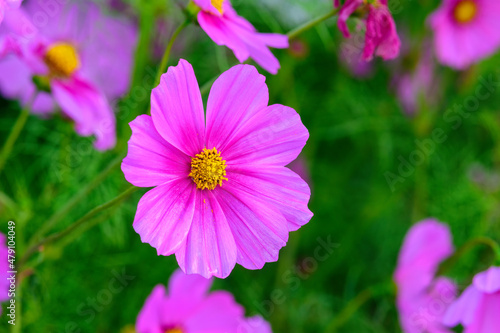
<point x="311" y="24"/>
<point x="56" y="236"/>
<point x="357" y="302"/>
<point x="82" y="194"/>
<point x="451" y="261"/>
<point x="166" y="55"/>
<point x="349" y="310"/>
<point x="14" y="133"/>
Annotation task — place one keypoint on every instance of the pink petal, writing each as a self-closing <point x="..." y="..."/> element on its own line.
<point x="186" y="294"/>
<point x="218" y="313"/>
<point x="164" y="215"/>
<point x="112" y="47"/>
<point x="280" y="187"/>
<point x="218" y="30"/>
<point x="347" y="9"/>
<point x="255" y="324"/>
<point x="487" y="318"/>
<point x="488" y="281"/>
<point x="177" y="109"/>
<point x="235" y="97"/>
<point x="151" y="160"/>
<point x="209" y="249"/>
<point x="425" y="246"/>
<point x="88" y="108"/>
<point x="464" y="309"/>
<point x="150" y="318"/>
<point x="274" y="136"/>
<point x="259" y="230"/>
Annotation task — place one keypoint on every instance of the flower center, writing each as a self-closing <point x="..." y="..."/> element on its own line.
<point x="465" y="11"/>
<point x="173" y="330"/>
<point x="208" y="169"/>
<point x="218" y="5"/>
<point x="62" y="59"/>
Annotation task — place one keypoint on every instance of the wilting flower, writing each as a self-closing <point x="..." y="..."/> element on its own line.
<point x="381" y="38"/>
<point x="4" y="268"/>
<point x="466" y="31"/>
<point x="7" y="5"/>
<point x="221" y="23"/>
<point x="425" y="246"/>
<point x="188" y="307"/>
<point x="80" y="59"/>
<point x="478" y="308"/>
<point x="223" y="194"/>
<point x="351" y="54"/>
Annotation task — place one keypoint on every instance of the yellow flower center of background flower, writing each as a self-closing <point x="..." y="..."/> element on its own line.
<point x="465" y="11"/>
<point x="174" y="330"/>
<point x="218" y="5"/>
<point x="208" y="169"/>
<point x="62" y="59"/>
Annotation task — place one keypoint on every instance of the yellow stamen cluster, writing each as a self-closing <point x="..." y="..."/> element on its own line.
<point x="174" y="330"/>
<point x="218" y="5"/>
<point x="208" y="169"/>
<point x="62" y="60"/>
<point x="465" y="11"/>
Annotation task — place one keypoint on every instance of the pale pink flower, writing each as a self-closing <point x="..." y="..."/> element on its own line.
<point x="188" y="307"/>
<point x="82" y="56"/>
<point x="425" y="246"/>
<point x="6" y="6"/>
<point x="221" y="23"/>
<point x="466" y="31"/>
<point x="478" y="308"/>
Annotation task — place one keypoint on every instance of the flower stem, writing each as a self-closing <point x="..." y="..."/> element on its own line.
<point x="166" y="55"/>
<point x="14" y="133"/>
<point x="311" y="24"/>
<point x="451" y="261"/>
<point x="82" y="194"/>
<point x="58" y="235"/>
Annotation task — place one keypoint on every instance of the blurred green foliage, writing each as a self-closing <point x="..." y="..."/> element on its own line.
<point x="358" y="131"/>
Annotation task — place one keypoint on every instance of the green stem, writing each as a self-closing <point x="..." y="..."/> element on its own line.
<point x="349" y="310"/>
<point x="166" y="55"/>
<point x="311" y="24"/>
<point x="56" y="236"/>
<point x="357" y="302"/>
<point x="451" y="261"/>
<point x="82" y="194"/>
<point x="14" y="133"/>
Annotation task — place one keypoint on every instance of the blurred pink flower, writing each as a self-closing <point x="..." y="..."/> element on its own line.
<point x="84" y="57"/>
<point x="222" y="192"/>
<point x="478" y="308"/>
<point x="419" y="82"/>
<point x="425" y="246"/>
<point x="4" y="268"/>
<point x="381" y="38"/>
<point x="7" y="5"/>
<point x="188" y="307"/>
<point x="466" y="31"/>
<point x="351" y="54"/>
<point x="221" y="23"/>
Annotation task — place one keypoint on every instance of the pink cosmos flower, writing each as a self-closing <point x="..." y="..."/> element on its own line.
<point x="223" y="194"/>
<point x="425" y="246"/>
<point x="6" y="5"/>
<point x="82" y="56"/>
<point x="465" y="31"/>
<point x="189" y="308"/>
<point x="221" y="23"/>
<point x="381" y="37"/>
<point x="478" y="308"/>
